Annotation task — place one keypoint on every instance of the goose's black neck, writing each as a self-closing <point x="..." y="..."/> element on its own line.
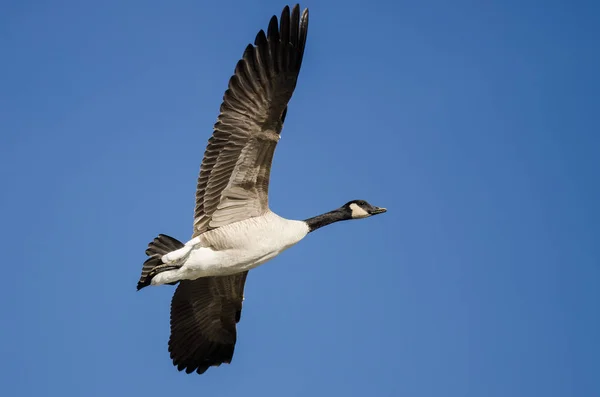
<point x="327" y="218"/>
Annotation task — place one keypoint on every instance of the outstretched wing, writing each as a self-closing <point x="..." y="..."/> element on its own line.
<point x="234" y="176"/>
<point x="233" y="185"/>
<point x="204" y="314"/>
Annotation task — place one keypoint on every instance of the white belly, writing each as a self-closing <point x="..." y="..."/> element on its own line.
<point x="250" y="243"/>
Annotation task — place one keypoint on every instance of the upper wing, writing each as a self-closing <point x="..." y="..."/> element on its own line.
<point x="204" y="313"/>
<point x="234" y="176"/>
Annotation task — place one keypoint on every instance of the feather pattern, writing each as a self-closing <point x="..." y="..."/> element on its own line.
<point x="237" y="159"/>
<point x="204" y="313"/>
<point x="233" y="185"/>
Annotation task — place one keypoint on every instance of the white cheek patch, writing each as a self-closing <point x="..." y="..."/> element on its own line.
<point x="358" y="212"/>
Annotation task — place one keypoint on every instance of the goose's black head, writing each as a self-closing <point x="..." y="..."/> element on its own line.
<point x="357" y="209"/>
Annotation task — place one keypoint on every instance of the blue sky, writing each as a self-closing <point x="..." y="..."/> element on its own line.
<point x="475" y="125"/>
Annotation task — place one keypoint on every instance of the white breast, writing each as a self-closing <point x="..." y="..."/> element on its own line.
<point x="244" y="245"/>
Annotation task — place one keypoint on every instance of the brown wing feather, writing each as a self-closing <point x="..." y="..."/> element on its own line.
<point x="204" y="312"/>
<point x="234" y="175"/>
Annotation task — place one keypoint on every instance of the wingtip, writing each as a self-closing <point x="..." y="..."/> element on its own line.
<point x="261" y="38"/>
<point x="273" y="26"/>
<point x="304" y="16"/>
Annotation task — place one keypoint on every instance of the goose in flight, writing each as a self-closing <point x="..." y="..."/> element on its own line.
<point x="234" y="229"/>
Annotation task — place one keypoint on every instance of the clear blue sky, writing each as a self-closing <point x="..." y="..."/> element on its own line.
<point x="476" y="125"/>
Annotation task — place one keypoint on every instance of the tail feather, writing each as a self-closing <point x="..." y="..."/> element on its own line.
<point x="158" y="247"/>
<point x="162" y="245"/>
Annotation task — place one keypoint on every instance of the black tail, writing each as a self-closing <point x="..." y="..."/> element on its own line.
<point x="158" y="247"/>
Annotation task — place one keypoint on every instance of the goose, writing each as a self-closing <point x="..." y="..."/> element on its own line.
<point x="234" y="230"/>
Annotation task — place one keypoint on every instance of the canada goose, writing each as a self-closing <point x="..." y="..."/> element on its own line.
<point x="234" y="230"/>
